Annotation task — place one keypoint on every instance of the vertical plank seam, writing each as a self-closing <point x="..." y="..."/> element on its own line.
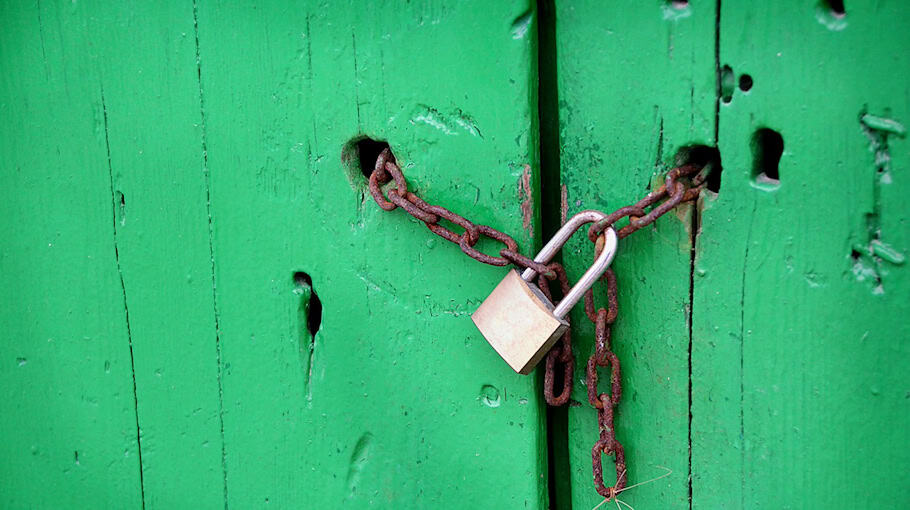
<point x="126" y="310"/>
<point x="549" y="177"/>
<point x="208" y="209"/>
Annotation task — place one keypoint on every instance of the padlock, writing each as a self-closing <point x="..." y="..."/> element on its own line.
<point x="519" y="321"/>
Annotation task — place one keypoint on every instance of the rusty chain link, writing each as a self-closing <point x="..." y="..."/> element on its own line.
<point x="682" y="184"/>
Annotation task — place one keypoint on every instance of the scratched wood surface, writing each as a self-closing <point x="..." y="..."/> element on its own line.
<point x="168" y="172"/>
<point x="802" y="295"/>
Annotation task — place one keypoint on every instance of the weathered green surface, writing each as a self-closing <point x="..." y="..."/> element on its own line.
<point x="400" y="403"/>
<point x="167" y="171"/>
<point x="146" y="147"/>
<point x="800" y="290"/>
<point x="800" y="378"/>
<point x="68" y="427"/>
<point x="641" y="90"/>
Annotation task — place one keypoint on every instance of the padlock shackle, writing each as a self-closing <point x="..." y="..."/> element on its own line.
<point x="592" y="274"/>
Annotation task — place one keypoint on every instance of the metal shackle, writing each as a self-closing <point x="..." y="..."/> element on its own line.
<point x="592" y="274"/>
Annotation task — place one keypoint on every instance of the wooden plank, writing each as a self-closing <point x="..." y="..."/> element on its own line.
<point x="396" y="401"/>
<point x="153" y="118"/>
<point x="68" y="423"/>
<point x="635" y="86"/>
<point x="799" y="360"/>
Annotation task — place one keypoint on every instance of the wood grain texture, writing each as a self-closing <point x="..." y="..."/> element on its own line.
<point x="168" y="171"/>
<point x="153" y="128"/>
<point x="800" y="378"/>
<point x="202" y="306"/>
<point x="635" y="86"/>
<point x="397" y="401"/>
<point x="68" y="423"/>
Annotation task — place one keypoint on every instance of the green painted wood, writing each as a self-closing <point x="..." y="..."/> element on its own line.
<point x="799" y="361"/>
<point x="153" y="127"/>
<point x="168" y="170"/>
<point x="68" y="426"/>
<point x="171" y="179"/>
<point x="635" y="86"/>
<point x="144" y="107"/>
<point x="396" y="401"/>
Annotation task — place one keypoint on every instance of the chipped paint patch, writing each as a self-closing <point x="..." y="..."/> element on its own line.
<point x="522" y="25"/>
<point x="527" y="200"/>
<point x="563" y="204"/>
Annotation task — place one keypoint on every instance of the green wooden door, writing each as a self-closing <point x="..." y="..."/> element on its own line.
<point x="203" y="307"/>
<point x="761" y="332"/>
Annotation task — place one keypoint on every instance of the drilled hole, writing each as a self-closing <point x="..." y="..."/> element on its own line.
<point x="359" y="155"/>
<point x="727" y="84"/>
<point x="767" y="149"/>
<point x="836" y="7"/>
<point x="310" y="309"/>
<point x="703" y="156"/>
<point x="745" y="82"/>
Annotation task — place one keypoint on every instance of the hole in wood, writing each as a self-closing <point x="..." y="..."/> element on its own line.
<point x="745" y="82"/>
<point x="310" y="309"/>
<point x="679" y="4"/>
<point x="836" y="7"/>
<point x="727" y="84"/>
<point x="703" y="156"/>
<point x="359" y="155"/>
<point x="767" y="149"/>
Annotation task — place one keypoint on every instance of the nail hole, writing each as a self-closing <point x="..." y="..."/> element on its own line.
<point x="855" y="254"/>
<point x="121" y="210"/>
<point x="359" y="155"/>
<point x="310" y="306"/>
<point x="704" y="156"/>
<point x="836" y="7"/>
<point x="767" y="149"/>
<point x="727" y="84"/>
<point x="745" y="82"/>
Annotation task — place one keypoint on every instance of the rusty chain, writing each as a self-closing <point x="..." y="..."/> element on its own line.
<point x="682" y="184"/>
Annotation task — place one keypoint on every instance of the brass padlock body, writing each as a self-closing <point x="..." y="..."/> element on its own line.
<point x="518" y="321"/>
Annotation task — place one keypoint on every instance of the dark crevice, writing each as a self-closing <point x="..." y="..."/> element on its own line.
<point x="703" y="156"/>
<point x="767" y="149"/>
<point x="126" y="310"/>
<point x="836" y="7"/>
<point x="208" y="209"/>
<point x="727" y="84"/>
<point x="313" y="309"/>
<point x="309" y="317"/>
<point x="745" y="82"/>
<point x="559" y="483"/>
<point x="366" y="151"/>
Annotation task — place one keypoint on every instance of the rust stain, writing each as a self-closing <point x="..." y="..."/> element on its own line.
<point x="527" y="200"/>
<point x="563" y="204"/>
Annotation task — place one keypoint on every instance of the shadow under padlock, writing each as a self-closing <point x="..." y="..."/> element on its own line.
<point x="518" y="320"/>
